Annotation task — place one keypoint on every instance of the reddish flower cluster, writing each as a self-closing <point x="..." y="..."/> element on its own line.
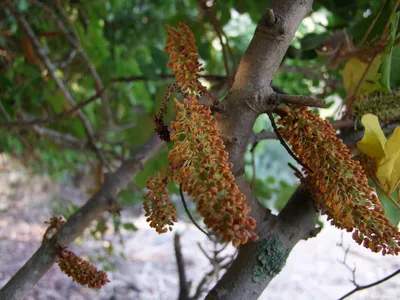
<point x="337" y="182"/>
<point x="184" y="60"/>
<point x="159" y="210"/>
<point x="80" y="270"/>
<point x="54" y="223"/>
<point x="197" y="161"/>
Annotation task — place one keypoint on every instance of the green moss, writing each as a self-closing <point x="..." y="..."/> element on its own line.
<point x="271" y="256"/>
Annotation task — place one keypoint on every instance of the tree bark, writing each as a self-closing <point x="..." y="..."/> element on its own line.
<point x="244" y="103"/>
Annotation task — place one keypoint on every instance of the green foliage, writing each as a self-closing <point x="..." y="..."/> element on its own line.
<point x="124" y="41"/>
<point x="271" y="256"/>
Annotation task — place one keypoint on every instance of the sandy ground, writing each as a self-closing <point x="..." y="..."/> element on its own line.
<point x="313" y="270"/>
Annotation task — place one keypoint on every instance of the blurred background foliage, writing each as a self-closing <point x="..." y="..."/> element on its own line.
<point x="123" y="41"/>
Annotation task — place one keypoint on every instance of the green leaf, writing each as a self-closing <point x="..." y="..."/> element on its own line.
<point x="147" y="69"/>
<point x="312" y="41"/>
<point x="160" y="58"/>
<point x="395" y="67"/>
<point x="129" y="197"/>
<point x="5" y="82"/>
<point x="391" y="210"/>
<point x="155" y="164"/>
<point x="129" y="226"/>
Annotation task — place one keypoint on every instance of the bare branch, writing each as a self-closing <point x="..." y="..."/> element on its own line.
<point x="367" y="286"/>
<point x="209" y="77"/>
<point x="263" y="135"/>
<point x="305" y="100"/>
<point x="74" y="41"/>
<point x="219" y="32"/>
<point x="50" y="67"/>
<point x="24" y="280"/>
<point x="63" y="115"/>
<point x="358" y="287"/>
<point x="184" y="286"/>
<point x="61" y="139"/>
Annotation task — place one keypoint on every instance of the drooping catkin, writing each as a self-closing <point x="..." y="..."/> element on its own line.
<point x="337" y="182"/>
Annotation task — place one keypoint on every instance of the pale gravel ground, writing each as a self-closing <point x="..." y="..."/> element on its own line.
<point x="312" y="270"/>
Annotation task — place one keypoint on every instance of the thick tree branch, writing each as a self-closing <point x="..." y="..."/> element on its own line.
<point x="243" y="104"/>
<point x="23" y="281"/>
<point x="296" y="221"/>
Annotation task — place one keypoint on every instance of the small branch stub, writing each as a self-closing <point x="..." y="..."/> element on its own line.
<point x="304" y="100"/>
<point x="270" y="17"/>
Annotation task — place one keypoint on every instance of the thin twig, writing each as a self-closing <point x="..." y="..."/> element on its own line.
<point x="363" y="287"/>
<point x="209" y="77"/>
<point x="188" y="212"/>
<point x="217" y="28"/>
<point x="74" y="41"/>
<point x="63" y="115"/>
<point x="280" y="138"/>
<point x="304" y="100"/>
<point x="371" y="25"/>
<point x="358" y="287"/>
<point x="51" y="69"/>
<point x="184" y="286"/>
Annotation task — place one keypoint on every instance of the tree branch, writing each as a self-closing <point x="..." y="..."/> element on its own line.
<point x="295" y="99"/>
<point x="367" y="286"/>
<point x="24" y="280"/>
<point x="63" y="115"/>
<point x="74" y="41"/>
<point x="184" y="286"/>
<point x="244" y="103"/>
<point x="210" y="77"/>
<point x="51" y="69"/>
<point x="296" y="221"/>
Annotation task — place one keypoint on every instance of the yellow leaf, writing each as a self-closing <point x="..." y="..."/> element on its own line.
<point x="353" y="72"/>
<point x="388" y="172"/>
<point x="373" y="142"/>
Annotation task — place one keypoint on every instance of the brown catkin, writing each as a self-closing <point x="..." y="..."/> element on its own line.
<point x="197" y="161"/>
<point x="80" y="270"/>
<point x="337" y="182"/>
